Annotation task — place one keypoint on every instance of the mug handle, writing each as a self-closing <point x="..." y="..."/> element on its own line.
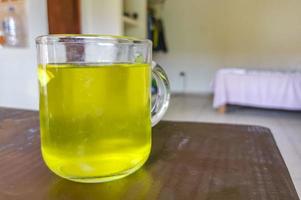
<point x="160" y="93"/>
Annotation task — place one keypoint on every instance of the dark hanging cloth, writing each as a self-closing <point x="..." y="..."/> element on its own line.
<point x="155" y="32"/>
<point x="150" y="26"/>
<point x="161" y="44"/>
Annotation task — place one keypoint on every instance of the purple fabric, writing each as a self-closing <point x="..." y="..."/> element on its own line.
<point x="259" y="88"/>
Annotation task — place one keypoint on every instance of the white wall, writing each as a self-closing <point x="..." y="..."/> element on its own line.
<point x="139" y="7"/>
<point x="101" y="17"/>
<point x="205" y="35"/>
<point x="18" y="75"/>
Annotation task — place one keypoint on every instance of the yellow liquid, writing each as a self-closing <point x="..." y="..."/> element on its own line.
<point x="95" y="119"/>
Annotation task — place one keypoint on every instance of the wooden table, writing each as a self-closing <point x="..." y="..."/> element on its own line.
<point x="188" y="161"/>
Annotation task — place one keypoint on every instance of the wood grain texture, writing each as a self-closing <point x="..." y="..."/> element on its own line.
<point x="188" y="161"/>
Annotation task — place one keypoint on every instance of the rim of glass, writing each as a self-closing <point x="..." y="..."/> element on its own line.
<point x="90" y="38"/>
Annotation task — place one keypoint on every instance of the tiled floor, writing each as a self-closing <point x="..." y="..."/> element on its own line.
<point x="285" y="125"/>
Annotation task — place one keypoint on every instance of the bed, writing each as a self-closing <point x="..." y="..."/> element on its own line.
<point x="257" y="88"/>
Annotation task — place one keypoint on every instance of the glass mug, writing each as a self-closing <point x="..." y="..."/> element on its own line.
<point x="95" y="104"/>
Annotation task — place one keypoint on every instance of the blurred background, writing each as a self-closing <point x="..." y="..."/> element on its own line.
<point x="193" y="39"/>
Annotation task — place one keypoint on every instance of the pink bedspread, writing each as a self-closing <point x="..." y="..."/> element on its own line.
<point x="259" y="88"/>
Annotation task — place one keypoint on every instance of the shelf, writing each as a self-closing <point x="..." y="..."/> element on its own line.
<point x="130" y="21"/>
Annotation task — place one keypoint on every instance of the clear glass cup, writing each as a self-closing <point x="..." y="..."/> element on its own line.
<point x="96" y="104"/>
